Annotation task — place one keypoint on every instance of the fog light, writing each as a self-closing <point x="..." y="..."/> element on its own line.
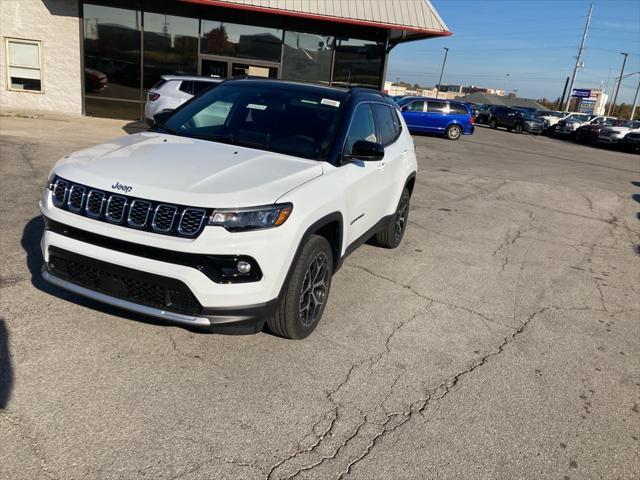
<point x="243" y="267"/>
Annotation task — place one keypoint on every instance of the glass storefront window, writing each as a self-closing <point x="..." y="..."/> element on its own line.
<point x="358" y="62"/>
<point x="111" y="52"/>
<point x="170" y="46"/>
<point x="307" y="57"/>
<point x="243" y="41"/>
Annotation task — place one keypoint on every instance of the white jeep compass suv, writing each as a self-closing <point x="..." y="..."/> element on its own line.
<point x="236" y="209"/>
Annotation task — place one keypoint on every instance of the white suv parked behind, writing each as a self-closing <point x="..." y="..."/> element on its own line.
<point x="172" y="91"/>
<point x="237" y="209"/>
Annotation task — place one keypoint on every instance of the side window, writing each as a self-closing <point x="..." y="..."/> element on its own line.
<point x="458" y="109"/>
<point x="386" y="127"/>
<point x="362" y="127"/>
<point x="200" y="86"/>
<point x="436" y="107"/>
<point x="415" y="106"/>
<point x="397" y="126"/>
<point x="185" y="86"/>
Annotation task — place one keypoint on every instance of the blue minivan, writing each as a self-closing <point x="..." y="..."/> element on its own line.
<point x="445" y="117"/>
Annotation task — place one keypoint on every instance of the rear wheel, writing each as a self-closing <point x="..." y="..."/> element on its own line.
<point x="392" y="235"/>
<point x="453" y="132"/>
<point x="305" y="295"/>
<point x="493" y="124"/>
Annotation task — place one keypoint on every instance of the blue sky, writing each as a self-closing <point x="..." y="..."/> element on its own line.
<point x="534" y="41"/>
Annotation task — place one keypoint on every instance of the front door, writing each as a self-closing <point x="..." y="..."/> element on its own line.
<point x="227" y="67"/>
<point x="364" y="180"/>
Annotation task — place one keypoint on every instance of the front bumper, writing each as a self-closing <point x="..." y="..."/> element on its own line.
<point x="609" y="139"/>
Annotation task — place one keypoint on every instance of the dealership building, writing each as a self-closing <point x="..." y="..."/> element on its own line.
<point x="100" y="58"/>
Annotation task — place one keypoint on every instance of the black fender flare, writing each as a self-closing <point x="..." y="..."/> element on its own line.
<point x="313" y="228"/>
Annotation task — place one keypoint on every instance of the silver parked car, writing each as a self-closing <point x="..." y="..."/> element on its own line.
<point x="172" y="91"/>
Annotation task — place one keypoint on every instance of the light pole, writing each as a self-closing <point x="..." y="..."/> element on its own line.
<point x="579" y="58"/>
<point x="615" y="95"/>
<point x="635" y="102"/>
<point x="444" y="62"/>
<point x="506" y="84"/>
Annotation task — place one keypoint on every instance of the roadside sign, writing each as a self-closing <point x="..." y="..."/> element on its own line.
<point x="581" y="93"/>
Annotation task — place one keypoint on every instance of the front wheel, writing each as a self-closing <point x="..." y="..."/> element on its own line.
<point x="306" y="293"/>
<point x="392" y="235"/>
<point x="519" y="128"/>
<point x="453" y="132"/>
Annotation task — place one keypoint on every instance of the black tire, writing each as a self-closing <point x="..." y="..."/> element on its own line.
<point x="292" y="319"/>
<point x="493" y="124"/>
<point x="454" y="132"/>
<point x="519" y="128"/>
<point x="393" y="233"/>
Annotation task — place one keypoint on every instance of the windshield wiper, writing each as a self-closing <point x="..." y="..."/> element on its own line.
<point x="168" y="129"/>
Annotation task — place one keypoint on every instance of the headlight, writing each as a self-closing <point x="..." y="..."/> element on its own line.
<point x="51" y="180"/>
<point x="254" y="218"/>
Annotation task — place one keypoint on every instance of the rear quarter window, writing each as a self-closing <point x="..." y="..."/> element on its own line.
<point x="185" y="86"/>
<point x="388" y="123"/>
<point x="458" y="109"/>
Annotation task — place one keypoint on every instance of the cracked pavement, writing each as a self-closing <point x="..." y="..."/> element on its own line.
<point x="500" y="341"/>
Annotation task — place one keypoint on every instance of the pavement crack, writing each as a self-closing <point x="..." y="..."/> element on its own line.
<point x="430" y="299"/>
<point x="438" y="393"/>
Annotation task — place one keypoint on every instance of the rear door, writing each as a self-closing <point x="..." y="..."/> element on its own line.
<point x="395" y="155"/>
<point x="412" y="113"/>
<point x="437" y="116"/>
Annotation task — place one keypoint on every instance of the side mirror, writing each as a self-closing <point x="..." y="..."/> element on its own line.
<point x="366" y="151"/>
<point x="160" y="117"/>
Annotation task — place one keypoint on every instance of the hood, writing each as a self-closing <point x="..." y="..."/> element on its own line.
<point x="187" y="171"/>
<point x="617" y="129"/>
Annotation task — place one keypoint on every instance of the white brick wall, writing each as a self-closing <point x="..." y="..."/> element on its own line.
<point x="55" y="23"/>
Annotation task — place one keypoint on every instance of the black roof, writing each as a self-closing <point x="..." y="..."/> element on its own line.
<point x="353" y="93"/>
<point x="501" y="101"/>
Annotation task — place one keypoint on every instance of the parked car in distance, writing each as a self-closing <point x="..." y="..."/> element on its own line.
<point x="568" y="126"/>
<point x="516" y="120"/>
<point x="449" y="118"/>
<point x="589" y="133"/>
<point x="483" y="111"/>
<point x="614" y="135"/>
<point x="631" y="142"/>
<point x="550" y="117"/>
<point x="228" y="223"/>
<point x="171" y="91"/>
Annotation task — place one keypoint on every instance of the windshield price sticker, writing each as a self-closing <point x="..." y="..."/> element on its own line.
<point x="255" y="106"/>
<point x="328" y="101"/>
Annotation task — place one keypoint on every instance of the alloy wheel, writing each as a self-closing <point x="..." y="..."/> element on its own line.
<point x="314" y="290"/>
<point x="401" y="218"/>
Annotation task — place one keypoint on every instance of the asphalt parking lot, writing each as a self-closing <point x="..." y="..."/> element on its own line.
<point x="500" y="341"/>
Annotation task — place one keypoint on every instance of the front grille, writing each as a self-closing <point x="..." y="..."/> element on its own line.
<point x="139" y="213"/>
<point x="125" y="283"/>
<point x="128" y="211"/>
<point x="95" y="201"/>
<point x="163" y="217"/>
<point x="191" y="220"/>
<point x="76" y="198"/>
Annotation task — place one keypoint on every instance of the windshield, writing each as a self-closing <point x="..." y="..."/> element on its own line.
<point x="551" y="114"/>
<point x="578" y="117"/>
<point x="299" y="121"/>
<point x="632" y="125"/>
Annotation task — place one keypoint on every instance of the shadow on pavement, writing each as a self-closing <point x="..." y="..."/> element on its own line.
<point x="6" y="372"/>
<point x="30" y="242"/>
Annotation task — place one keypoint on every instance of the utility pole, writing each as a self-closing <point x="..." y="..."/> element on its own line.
<point x="635" y="102"/>
<point x="564" y="92"/>
<point x="444" y="62"/>
<point x="615" y="95"/>
<point x="506" y="84"/>
<point x="579" y="58"/>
